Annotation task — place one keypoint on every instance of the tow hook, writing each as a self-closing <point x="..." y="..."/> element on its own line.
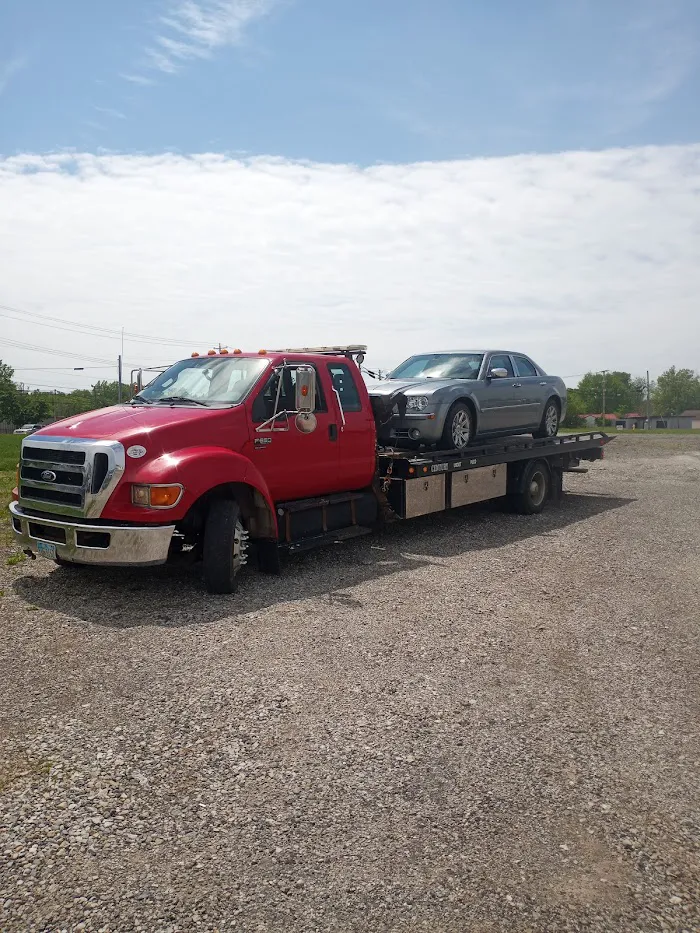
<point x="30" y="553"/>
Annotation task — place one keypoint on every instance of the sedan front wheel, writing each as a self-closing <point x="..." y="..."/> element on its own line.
<point x="458" y="429"/>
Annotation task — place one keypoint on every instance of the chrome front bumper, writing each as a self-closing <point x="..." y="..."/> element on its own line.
<point x="107" y="545"/>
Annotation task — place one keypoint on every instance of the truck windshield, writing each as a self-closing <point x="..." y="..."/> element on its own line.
<point x="440" y="366"/>
<point x="205" y="381"/>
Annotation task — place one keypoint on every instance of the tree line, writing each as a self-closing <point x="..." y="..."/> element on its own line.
<point x="675" y="391"/>
<point x="24" y="406"/>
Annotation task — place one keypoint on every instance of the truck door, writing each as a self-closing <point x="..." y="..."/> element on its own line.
<point x="356" y="427"/>
<point x="295" y="465"/>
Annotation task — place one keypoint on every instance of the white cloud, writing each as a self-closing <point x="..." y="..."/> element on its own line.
<point x="9" y="69"/>
<point x="584" y="260"/>
<point x="196" y="29"/>
<point x="111" y="112"/>
<point x="137" y="79"/>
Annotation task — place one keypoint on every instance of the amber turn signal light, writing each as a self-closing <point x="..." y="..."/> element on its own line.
<point x="156" y="497"/>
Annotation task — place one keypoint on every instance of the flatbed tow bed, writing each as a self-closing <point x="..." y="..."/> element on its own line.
<point x="523" y="471"/>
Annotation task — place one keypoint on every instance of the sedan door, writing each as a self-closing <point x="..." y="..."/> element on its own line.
<point x="497" y="397"/>
<point x="533" y="390"/>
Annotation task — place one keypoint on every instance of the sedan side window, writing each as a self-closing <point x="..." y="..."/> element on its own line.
<point x="524" y="367"/>
<point x="500" y="361"/>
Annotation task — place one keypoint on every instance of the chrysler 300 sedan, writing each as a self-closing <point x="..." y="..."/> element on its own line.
<point x="450" y="398"/>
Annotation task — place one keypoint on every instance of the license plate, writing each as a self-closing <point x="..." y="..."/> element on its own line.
<point x="44" y="549"/>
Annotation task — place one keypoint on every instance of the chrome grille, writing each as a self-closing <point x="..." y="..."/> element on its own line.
<point x="69" y="476"/>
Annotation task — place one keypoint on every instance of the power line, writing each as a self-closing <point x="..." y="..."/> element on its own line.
<point x="30" y="346"/>
<point x="65" y="369"/>
<point x="43" y="385"/>
<point x="93" y="329"/>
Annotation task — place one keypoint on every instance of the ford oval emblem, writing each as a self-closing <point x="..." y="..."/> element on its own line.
<point x="48" y="476"/>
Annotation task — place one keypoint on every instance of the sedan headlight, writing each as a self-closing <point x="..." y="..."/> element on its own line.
<point x="417" y="403"/>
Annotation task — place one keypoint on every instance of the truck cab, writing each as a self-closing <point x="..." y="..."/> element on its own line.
<point x="128" y="484"/>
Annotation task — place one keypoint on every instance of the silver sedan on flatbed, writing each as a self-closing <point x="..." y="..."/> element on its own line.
<point x="450" y="398"/>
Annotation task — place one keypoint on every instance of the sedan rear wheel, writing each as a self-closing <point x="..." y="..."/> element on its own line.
<point x="549" y="426"/>
<point x="458" y="429"/>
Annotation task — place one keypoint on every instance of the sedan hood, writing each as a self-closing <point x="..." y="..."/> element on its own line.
<point x="409" y="386"/>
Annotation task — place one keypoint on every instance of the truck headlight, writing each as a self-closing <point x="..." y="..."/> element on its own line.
<point x="417" y="402"/>
<point x="158" y="496"/>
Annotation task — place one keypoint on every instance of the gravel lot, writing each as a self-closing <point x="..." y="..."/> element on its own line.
<point x="474" y="722"/>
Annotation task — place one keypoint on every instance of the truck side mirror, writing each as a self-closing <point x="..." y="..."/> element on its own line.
<point x="498" y="372"/>
<point x="305" y="399"/>
<point x="305" y="389"/>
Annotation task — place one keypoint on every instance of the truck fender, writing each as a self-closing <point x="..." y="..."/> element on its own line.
<point x="203" y="470"/>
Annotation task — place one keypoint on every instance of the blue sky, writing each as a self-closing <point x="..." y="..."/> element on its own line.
<point x="364" y="81"/>
<point x="410" y="175"/>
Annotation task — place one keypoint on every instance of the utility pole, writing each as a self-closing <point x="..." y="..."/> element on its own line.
<point x="119" y="385"/>
<point x="605" y="374"/>
<point x="648" y="401"/>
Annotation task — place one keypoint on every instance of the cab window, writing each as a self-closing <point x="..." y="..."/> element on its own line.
<point x="344" y="385"/>
<point x="264" y="404"/>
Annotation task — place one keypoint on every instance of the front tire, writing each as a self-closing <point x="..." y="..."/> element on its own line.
<point x="549" y="426"/>
<point x="459" y="428"/>
<point x="225" y="546"/>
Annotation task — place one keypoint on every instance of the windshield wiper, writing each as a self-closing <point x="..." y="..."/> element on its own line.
<point x="141" y="400"/>
<point x="181" y="398"/>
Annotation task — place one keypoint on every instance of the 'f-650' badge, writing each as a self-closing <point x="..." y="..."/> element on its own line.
<point x="136" y="451"/>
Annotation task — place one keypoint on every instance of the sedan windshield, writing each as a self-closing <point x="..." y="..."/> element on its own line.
<point x="205" y="381"/>
<point x="440" y="366"/>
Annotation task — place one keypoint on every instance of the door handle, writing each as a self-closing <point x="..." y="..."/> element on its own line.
<point x="517" y="385"/>
<point x="543" y="383"/>
<point x="333" y="432"/>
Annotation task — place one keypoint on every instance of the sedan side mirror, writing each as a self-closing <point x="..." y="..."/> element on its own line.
<point x="498" y="373"/>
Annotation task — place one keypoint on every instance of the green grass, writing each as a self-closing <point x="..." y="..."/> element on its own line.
<point x="9" y="451"/>
<point x="9" y="457"/>
<point x="613" y="430"/>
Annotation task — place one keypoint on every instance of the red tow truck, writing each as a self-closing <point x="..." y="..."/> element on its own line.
<point x="232" y="455"/>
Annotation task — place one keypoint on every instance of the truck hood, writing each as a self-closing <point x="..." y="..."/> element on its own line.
<point x="156" y="427"/>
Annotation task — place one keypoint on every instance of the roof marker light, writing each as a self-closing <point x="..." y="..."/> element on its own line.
<point x="194" y="354"/>
<point x="211" y="352"/>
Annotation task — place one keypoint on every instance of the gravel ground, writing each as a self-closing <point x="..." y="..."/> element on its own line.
<point x="478" y="721"/>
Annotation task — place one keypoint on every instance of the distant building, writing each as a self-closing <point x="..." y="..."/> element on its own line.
<point x="687" y="420"/>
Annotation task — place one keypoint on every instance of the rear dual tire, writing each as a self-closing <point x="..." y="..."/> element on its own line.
<point x="533" y="490"/>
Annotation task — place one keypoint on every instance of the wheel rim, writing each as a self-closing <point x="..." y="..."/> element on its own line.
<point x="240" y="547"/>
<point x="551" y="420"/>
<point x="538" y="487"/>
<point x="461" y="428"/>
